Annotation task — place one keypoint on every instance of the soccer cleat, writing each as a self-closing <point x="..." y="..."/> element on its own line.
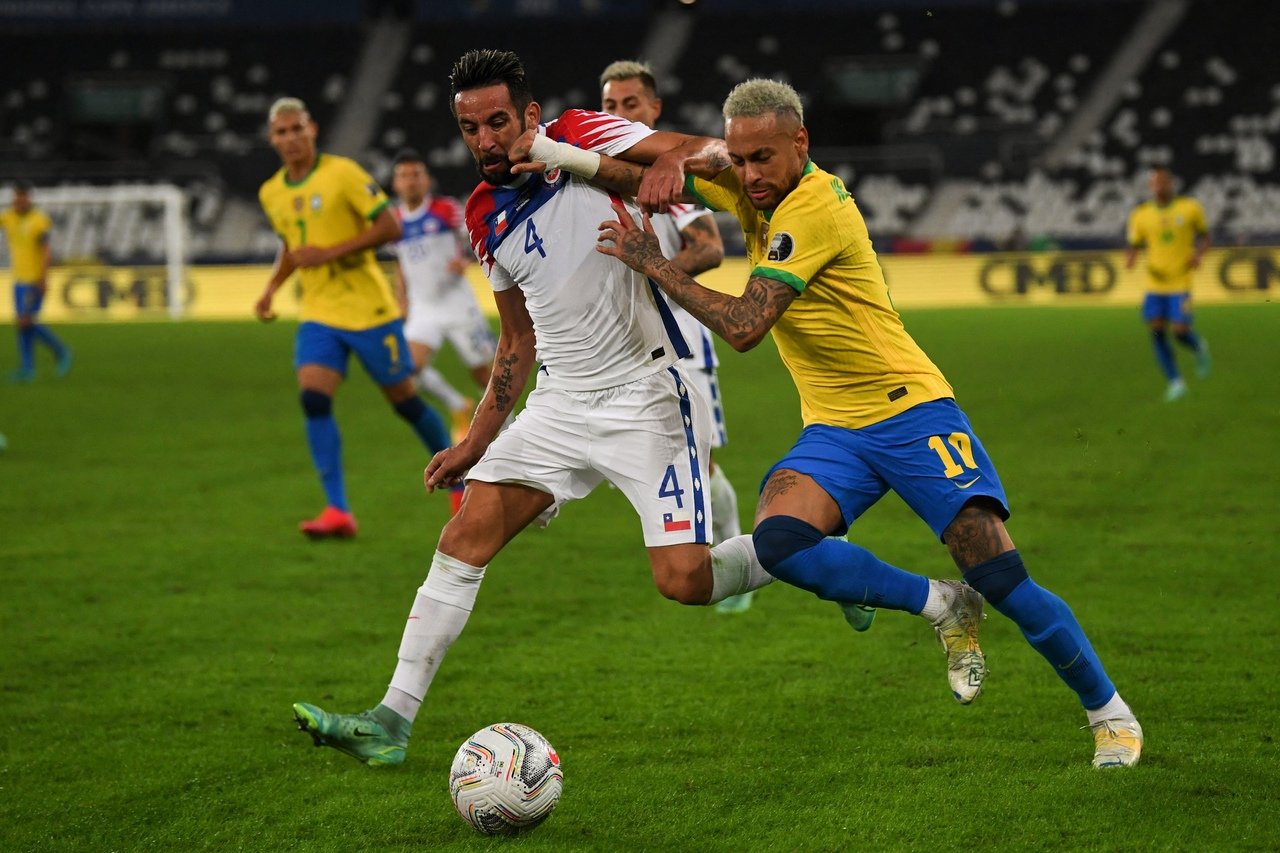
<point x="736" y="603"/>
<point x="64" y="362"/>
<point x="358" y="735"/>
<point x="461" y="417"/>
<point x="1176" y="390"/>
<point x="1204" y="362"/>
<point x="455" y="500"/>
<point x="957" y="630"/>
<point x="333" y="523"/>
<point x="22" y="375"/>
<point x="1117" y="742"/>
<point x="859" y="616"/>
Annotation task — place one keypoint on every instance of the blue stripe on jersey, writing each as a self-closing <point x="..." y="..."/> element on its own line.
<point x="513" y="205"/>
<point x="669" y="323"/>
<point x="686" y="415"/>
<point x="708" y="353"/>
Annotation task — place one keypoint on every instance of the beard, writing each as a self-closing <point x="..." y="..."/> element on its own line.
<point x="503" y="176"/>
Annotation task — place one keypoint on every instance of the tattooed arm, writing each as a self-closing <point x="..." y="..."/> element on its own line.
<point x="511" y="368"/>
<point x="741" y="320"/>
<point x="703" y="249"/>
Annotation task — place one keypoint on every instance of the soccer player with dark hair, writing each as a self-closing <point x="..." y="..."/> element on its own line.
<point x="26" y="229"/>
<point x="878" y="414"/>
<point x="331" y="216"/>
<point x="432" y="287"/>
<point x="1174" y="231"/>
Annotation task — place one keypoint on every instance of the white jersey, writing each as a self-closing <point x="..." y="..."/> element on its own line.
<point x="431" y="238"/>
<point x="668" y="227"/>
<point x="598" y="323"/>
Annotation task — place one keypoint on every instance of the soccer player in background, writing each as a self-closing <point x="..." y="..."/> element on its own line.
<point x="26" y="229"/>
<point x="690" y="238"/>
<point x="1174" y="231"/>
<point x="331" y="216"/>
<point x="612" y="399"/>
<point x="878" y="414"/>
<point x="439" y="305"/>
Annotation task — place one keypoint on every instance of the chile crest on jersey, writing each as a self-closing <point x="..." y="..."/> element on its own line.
<point x="494" y="212"/>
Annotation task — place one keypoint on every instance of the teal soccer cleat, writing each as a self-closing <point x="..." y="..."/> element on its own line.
<point x="1204" y="361"/>
<point x="64" y="362"/>
<point x="358" y="735"/>
<point x="859" y="616"/>
<point x="736" y="603"/>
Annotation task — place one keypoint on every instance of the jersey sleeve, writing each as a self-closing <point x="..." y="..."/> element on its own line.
<point x="1199" y="223"/>
<point x="803" y="238"/>
<point x="1133" y="233"/>
<point x="684" y="214"/>
<point x="594" y="131"/>
<point x="44" y="225"/>
<point x="362" y="192"/>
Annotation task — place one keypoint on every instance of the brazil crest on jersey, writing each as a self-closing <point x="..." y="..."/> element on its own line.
<point x="1169" y="233"/>
<point x="851" y="359"/>
<point x="27" y="234"/>
<point x="598" y="323"/>
<point x="334" y="202"/>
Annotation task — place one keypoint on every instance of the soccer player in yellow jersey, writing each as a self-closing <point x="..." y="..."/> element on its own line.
<point x="26" y="229"/>
<point x="331" y="215"/>
<point x="1175" y="234"/>
<point x="878" y="413"/>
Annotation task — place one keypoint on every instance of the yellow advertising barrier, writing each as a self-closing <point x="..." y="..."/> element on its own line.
<point x="110" y="293"/>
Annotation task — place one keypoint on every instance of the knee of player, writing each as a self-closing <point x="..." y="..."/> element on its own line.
<point x="780" y="537"/>
<point x="686" y="589"/>
<point x="315" y="404"/>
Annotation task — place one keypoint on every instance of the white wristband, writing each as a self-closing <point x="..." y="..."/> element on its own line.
<point x="562" y="155"/>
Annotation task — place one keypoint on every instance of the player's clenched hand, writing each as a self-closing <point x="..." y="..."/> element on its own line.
<point x="262" y="308"/>
<point x="448" y="467"/>
<point x="518" y="154"/>
<point x="663" y="183"/>
<point x="637" y="248"/>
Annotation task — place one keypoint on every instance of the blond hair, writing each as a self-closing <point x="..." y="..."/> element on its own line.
<point x="757" y="97"/>
<point x="629" y="69"/>
<point x="286" y="105"/>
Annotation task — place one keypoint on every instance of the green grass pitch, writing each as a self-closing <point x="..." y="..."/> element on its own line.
<point x="160" y="613"/>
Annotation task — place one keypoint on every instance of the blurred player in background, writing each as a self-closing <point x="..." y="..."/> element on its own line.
<point x="1174" y="231"/>
<point x="26" y="229"/>
<point x="433" y="256"/>
<point x="878" y="413"/>
<point x="690" y="238"/>
<point x="331" y="216"/>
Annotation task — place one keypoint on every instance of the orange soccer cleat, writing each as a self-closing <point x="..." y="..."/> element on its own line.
<point x="333" y="523"/>
<point x="455" y="500"/>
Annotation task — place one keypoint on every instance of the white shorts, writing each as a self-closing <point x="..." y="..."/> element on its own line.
<point x="708" y="383"/>
<point x="457" y="320"/>
<point x="650" y="438"/>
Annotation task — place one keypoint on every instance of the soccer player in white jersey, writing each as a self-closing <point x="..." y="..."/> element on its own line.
<point x="433" y="257"/>
<point x="690" y="238"/>
<point x="612" y="400"/>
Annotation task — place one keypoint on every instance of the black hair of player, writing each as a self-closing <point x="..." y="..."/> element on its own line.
<point x="477" y="69"/>
<point x="408" y="155"/>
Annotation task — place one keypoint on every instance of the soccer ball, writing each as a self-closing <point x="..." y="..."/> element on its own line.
<point x="505" y="778"/>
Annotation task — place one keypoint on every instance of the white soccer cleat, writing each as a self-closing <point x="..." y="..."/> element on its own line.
<point x="957" y="630"/>
<point x="1176" y="390"/>
<point x="1117" y="742"/>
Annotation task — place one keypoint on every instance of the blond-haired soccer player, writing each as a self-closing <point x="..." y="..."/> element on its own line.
<point x="330" y="216"/>
<point x="26" y="229"/>
<point x="690" y="238"/>
<point x="878" y="413"/>
<point x="1174" y="231"/>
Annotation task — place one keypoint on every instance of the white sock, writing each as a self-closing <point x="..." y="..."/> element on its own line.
<point x="433" y="382"/>
<point x="940" y="596"/>
<point x="724" y="508"/>
<point x="1114" y="709"/>
<point x="736" y="569"/>
<point x="438" y="615"/>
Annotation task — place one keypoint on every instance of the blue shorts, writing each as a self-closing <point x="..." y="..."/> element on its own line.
<point x="927" y="454"/>
<point x="27" y="300"/>
<point x="382" y="350"/>
<point x="1170" y="307"/>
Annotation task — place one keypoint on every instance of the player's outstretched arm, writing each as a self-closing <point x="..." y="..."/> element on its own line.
<point x="742" y="321"/>
<point x="511" y="368"/>
<point x="663" y="183"/>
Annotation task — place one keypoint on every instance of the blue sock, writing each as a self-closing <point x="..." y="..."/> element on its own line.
<point x="426" y="423"/>
<point x="1190" y="340"/>
<point x="326" y="446"/>
<point x="49" y="339"/>
<point x="833" y="569"/>
<point x="27" y="347"/>
<point x="1164" y="355"/>
<point x="1047" y="623"/>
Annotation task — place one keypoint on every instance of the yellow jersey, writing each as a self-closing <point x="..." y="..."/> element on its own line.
<point x="27" y="235"/>
<point x="1169" y="232"/>
<point x="850" y="357"/>
<point x="334" y="202"/>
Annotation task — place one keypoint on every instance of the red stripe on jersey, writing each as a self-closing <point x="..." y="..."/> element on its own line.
<point x="479" y="206"/>
<point x="587" y="129"/>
